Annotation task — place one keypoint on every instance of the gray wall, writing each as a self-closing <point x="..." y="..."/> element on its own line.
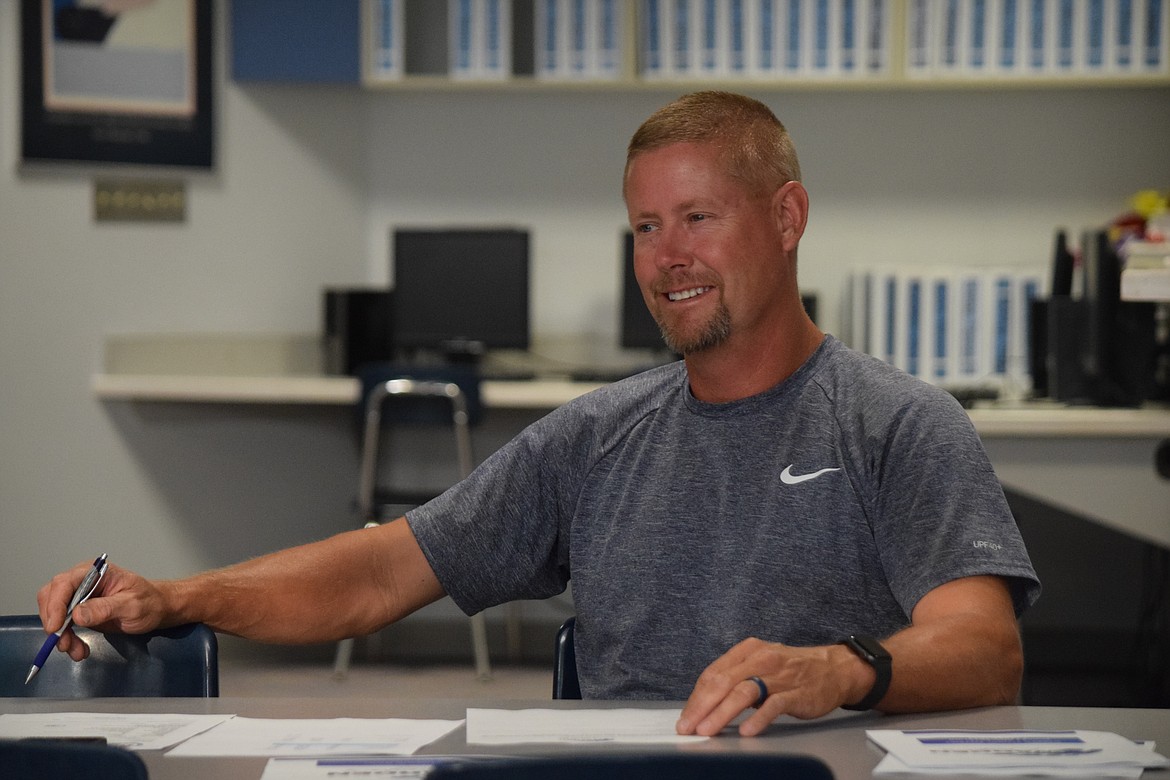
<point x="309" y="183"/>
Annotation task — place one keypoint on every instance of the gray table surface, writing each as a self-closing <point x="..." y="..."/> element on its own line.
<point x="839" y="738"/>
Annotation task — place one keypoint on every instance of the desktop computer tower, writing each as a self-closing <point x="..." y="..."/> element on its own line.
<point x="358" y="328"/>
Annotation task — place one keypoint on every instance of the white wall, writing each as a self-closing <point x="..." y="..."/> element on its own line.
<point x="309" y="183"/>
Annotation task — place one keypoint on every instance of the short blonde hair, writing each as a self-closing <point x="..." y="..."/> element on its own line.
<point x="756" y="148"/>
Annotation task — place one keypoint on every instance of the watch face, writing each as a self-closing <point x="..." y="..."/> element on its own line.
<point x="870" y="647"/>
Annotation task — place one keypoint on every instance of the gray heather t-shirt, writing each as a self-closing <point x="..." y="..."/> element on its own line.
<point x="825" y="506"/>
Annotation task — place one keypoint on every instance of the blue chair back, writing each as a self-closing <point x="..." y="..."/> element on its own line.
<point x="565" y="682"/>
<point x="31" y="759"/>
<point x="180" y="661"/>
<point x="643" y="766"/>
<point x="421" y="411"/>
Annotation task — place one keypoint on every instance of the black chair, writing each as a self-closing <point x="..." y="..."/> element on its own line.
<point x="180" y="661"/>
<point x="565" y="683"/>
<point x="653" y="766"/>
<point x="410" y="395"/>
<point x="34" y="759"/>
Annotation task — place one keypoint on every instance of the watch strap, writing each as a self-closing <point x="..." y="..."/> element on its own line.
<point x="871" y="651"/>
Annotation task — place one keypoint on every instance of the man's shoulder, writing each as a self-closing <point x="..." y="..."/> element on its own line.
<point x="853" y="380"/>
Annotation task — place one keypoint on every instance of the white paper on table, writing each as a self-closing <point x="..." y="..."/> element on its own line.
<point x="400" y="767"/>
<point x="890" y="765"/>
<point x="145" y="731"/>
<point x="1018" y="750"/>
<point x="510" y="727"/>
<point x="316" y="737"/>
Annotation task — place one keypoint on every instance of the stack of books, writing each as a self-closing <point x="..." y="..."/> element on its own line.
<point x="954" y="328"/>
<point x="1039" y="38"/>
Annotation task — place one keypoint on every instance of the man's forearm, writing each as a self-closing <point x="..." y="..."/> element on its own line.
<point x="347" y="585"/>
<point x="963" y="651"/>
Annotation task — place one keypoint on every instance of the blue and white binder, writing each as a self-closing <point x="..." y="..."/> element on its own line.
<point x="384" y="40"/>
<point x="654" y="36"/>
<point x="1124" y="35"/>
<point x="1036" y="26"/>
<point x="760" y="38"/>
<point x="877" y="21"/>
<point x="480" y="39"/>
<point x="920" y="39"/>
<point x="549" y="50"/>
<point x="1006" y="42"/>
<point x="497" y="39"/>
<point x="1154" y="36"/>
<point x="791" y="41"/>
<point x="610" y="28"/>
<point x="461" y="38"/>
<point x="738" y="35"/>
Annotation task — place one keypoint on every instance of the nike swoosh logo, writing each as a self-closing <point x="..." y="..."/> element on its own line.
<point x="788" y="478"/>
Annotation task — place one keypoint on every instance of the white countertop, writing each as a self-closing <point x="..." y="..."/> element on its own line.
<point x="1028" y="419"/>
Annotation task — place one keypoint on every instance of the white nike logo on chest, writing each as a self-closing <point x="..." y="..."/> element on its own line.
<point x="788" y="478"/>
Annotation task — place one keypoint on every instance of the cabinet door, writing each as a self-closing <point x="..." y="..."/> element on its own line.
<point x="296" y="40"/>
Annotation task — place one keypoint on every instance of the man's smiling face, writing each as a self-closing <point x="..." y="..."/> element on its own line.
<point x="706" y="248"/>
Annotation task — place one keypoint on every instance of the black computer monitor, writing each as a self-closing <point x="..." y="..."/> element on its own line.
<point x="460" y="291"/>
<point x="637" y="329"/>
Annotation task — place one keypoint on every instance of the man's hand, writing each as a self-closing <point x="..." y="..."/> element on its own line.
<point x="806" y="682"/>
<point x="127" y="603"/>
<point x="961" y="649"/>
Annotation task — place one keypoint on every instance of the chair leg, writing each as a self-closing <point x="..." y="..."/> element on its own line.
<point x="513" y="631"/>
<point x="341" y="660"/>
<point x="483" y="666"/>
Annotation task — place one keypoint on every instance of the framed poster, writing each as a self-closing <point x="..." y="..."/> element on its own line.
<point x="117" y="81"/>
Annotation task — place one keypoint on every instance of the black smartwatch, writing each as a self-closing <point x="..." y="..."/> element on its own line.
<point x="870" y="650"/>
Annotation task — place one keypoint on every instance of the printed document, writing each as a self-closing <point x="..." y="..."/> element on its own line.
<point x="147" y="731"/>
<point x="316" y="737"/>
<point x="1072" y="753"/>
<point x="509" y="727"/>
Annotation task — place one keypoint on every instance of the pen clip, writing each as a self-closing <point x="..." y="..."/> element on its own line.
<point x="88" y="585"/>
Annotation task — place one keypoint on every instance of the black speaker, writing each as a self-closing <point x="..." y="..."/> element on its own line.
<point x="359" y="328"/>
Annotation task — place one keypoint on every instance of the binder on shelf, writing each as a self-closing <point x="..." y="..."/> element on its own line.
<point x="919" y="39"/>
<point x="582" y="39"/>
<point x="956" y="328"/>
<point x="384" y="40"/>
<point x="480" y="39"/>
<point x="547" y="31"/>
<point x="1154" y="37"/>
<point x="497" y="39"/>
<point x="653" y="38"/>
<point x="1123" y="37"/>
<point x="760" y="38"/>
<point x="610" y="33"/>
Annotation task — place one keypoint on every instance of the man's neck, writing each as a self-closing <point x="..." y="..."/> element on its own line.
<point x="734" y="370"/>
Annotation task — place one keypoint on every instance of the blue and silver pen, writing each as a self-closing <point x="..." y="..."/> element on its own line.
<point x="83" y="592"/>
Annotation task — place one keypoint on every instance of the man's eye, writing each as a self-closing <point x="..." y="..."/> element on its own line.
<point x="698" y="217"/>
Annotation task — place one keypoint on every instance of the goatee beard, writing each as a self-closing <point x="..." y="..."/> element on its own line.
<point x="713" y="333"/>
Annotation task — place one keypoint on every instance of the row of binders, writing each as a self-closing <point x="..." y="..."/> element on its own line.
<point x="573" y="39"/>
<point x="790" y="39"/>
<point x="1043" y="38"/>
<point x="956" y="329"/>
<point x="764" y="38"/>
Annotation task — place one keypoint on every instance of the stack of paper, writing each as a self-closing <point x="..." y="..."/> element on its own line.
<point x="1073" y="753"/>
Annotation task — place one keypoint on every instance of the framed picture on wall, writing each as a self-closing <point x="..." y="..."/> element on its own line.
<point x="117" y="81"/>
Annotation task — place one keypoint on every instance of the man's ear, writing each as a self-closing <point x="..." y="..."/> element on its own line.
<point x="790" y="208"/>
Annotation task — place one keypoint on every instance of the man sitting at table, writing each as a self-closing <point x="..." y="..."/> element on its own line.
<point x="765" y="524"/>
